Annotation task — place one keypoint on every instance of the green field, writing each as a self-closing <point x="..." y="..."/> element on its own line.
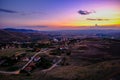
<point x="12" y="51"/>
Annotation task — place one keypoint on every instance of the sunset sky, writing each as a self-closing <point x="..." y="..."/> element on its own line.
<point x="59" y="14"/>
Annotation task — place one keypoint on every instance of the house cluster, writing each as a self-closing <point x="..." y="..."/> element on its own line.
<point x="32" y="65"/>
<point x="19" y="57"/>
<point x="9" y="46"/>
<point x="43" y="42"/>
<point x="8" y="61"/>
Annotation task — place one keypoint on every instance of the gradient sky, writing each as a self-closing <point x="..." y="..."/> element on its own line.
<point x="59" y="14"/>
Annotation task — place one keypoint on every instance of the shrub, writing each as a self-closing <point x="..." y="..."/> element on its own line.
<point x="13" y="68"/>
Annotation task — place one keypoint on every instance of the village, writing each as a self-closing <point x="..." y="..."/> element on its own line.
<point x="45" y="56"/>
<point x="34" y="55"/>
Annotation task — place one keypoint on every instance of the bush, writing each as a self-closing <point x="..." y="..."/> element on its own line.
<point x="44" y="63"/>
<point x="56" y="52"/>
<point x="13" y="68"/>
<point x="68" y="53"/>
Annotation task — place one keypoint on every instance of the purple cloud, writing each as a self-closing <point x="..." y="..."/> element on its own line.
<point x="19" y="12"/>
<point x="97" y="19"/>
<point x="7" y="11"/>
<point x="84" y="12"/>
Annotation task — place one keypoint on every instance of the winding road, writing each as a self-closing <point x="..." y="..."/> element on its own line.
<point x="18" y="71"/>
<point x="53" y="66"/>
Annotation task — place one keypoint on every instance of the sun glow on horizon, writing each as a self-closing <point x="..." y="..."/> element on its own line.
<point x="71" y="15"/>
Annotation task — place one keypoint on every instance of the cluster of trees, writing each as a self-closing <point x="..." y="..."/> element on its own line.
<point x="44" y="63"/>
<point x="7" y="61"/>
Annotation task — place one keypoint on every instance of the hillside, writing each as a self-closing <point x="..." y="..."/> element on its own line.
<point x="19" y="35"/>
<point x="7" y="36"/>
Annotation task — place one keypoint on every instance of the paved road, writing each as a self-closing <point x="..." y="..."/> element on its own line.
<point x="42" y="51"/>
<point x="18" y="71"/>
<point x="53" y="66"/>
<point x="45" y="70"/>
<point x="12" y="72"/>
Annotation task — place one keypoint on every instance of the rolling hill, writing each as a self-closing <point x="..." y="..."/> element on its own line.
<point x="7" y="36"/>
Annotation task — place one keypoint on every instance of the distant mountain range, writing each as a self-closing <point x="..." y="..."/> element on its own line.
<point x="20" y="30"/>
<point x="11" y="34"/>
<point x="87" y="31"/>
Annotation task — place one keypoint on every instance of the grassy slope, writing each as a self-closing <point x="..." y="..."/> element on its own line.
<point x="11" y="51"/>
<point x="92" y="72"/>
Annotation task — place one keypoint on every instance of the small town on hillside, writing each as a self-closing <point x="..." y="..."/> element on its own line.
<point x="43" y="56"/>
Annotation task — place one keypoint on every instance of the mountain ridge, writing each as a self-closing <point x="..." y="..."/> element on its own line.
<point x="20" y="30"/>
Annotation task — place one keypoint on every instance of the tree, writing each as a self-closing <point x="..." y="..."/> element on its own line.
<point x="44" y="63"/>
